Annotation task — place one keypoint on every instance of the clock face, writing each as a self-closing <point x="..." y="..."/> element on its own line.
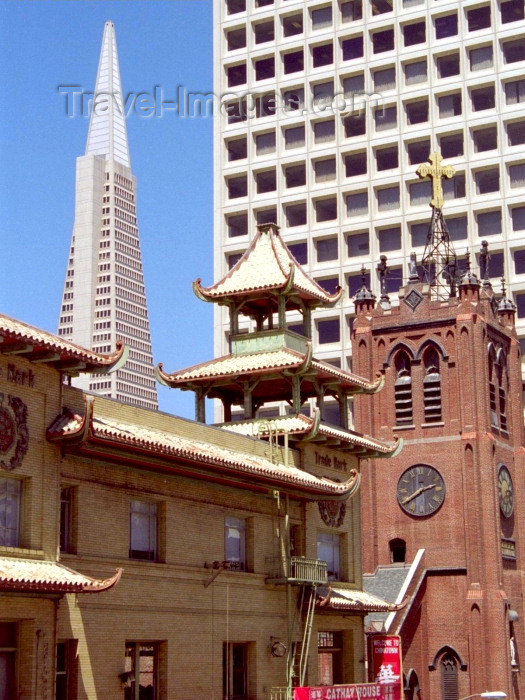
<point x="420" y="490"/>
<point x="505" y="492"/>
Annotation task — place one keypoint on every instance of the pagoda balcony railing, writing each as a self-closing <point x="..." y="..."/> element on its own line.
<point x="281" y="693"/>
<point x="298" y="570"/>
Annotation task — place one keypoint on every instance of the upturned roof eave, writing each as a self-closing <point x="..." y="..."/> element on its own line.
<point x="40" y="346"/>
<point x="87" y="439"/>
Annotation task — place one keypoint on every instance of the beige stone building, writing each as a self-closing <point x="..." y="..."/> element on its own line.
<point x="148" y="556"/>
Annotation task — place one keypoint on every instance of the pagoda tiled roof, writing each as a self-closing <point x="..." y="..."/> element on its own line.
<point x="40" y="346"/>
<point x="301" y="428"/>
<point x="48" y="577"/>
<point x="266" y="266"/>
<point x="117" y="440"/>
<point x="266" y="363"/>
<point x="328" y="599"/>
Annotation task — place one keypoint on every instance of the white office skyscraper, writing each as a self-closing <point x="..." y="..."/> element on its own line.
<point x="104" y="297"/>
<point x="329" y="107"/>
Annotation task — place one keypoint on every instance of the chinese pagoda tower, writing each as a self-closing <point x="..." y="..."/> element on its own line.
<point x="104" y="299"/>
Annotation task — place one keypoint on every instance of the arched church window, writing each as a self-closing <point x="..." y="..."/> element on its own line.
<point x="492" y="389"/>
<point x="403" y="389"/>
<point x="432" y="387"/>
<point x="449" y="677"/>
<point x="398" y="549"/>
<point x="502" y="390"/>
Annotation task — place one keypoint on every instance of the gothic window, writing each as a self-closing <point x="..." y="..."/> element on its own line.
<point x="432" y="387"/>
<point x="403" y="390"/>
<point x="449" y="677"/>
<point x="502" y="390"/>
<point x="492" y="390"/>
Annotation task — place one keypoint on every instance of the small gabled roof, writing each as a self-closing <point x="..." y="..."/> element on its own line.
<point x="266" y="268"/>
<point x="24" y="575"/>
<point x="302" y="429"/>
<point x="38" y="346"/>
<point x="341" y="599"/>
<point x="133" y="444"/>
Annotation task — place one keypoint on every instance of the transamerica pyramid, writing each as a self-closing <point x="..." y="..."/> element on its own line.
<point x="104" y="298"/>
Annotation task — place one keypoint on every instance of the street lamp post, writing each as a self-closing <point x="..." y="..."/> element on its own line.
<point x="487" y="694"/>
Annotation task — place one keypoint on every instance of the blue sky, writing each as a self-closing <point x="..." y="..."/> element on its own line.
<point x="165" y="43"/>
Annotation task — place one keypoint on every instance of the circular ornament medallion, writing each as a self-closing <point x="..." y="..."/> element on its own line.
<point x="420" y="490"/>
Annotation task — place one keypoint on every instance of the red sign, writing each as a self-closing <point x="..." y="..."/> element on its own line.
<point x="386" y="665"/>
<point x="339" y="692"/>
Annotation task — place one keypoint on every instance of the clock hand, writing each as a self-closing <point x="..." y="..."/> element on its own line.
<point x="416" y="493"/>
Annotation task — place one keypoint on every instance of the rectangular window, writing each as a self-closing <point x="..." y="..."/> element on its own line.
<point x="235" y="543"/>
<point x="237" y="149"/>
<point x="265" y="143"/>
<point x="514" y="51"/>
<point x="385" y="79"/>
<point x="416" y="72"/>
<point x="478" y="18"/>
<point x="387" y="158"/>
<point x="324" y="132"/>
<point x="327" y="249"/>
<point x="293" y="25"/>
<point x="519" y="262"/>
<point x="10" y="500"/>
<point x="323" y="55"/>
<point x="358" y="244"/>
<point x="388" y="198"/>
<point x="483" y="98"/>
<point x="324" y="170"/>
<point x="355" y="282"/>
<point x="352" y="48"/>
<point x="385" y="118"/>
<point x="236" y="39"/>
<point x="450" y="105"/>
<point x="329" y="331"/>
<point x="417" y="112"/>
<point x="325" y="209"/>
<point x="451" y="146"/>
<point x="448" y="65"/>
<point x="264" y="32"/>
<point x="457" y="227"/>
<point x="329" y="550"/>
<point x="352" y="10"/>
<point x="355" y="164"/>
<point x="516" y="133"/>
<point x="454" y="187"/>
<point x="485" y="139"/>
<point x="518" y="218"/>
<point x="414" y="33"/>
<point x="295" y="175"/>
<point x="294" y="137"/>
<point x="383" y="41"/>
<point x="354" y="84"/>
<point x="516" y="175"/>
<point x="446" y="26"/>
<point x="295" y="215"/>
<point x="487" y="181"/>
<point x="322" y="18"/>
<point x="512" y="11"/>
<point x="357" y="204"/>
<point x="482" y="58"/>
<point x="420" y="193"/>
<point x="418" y="151"/>
<point x="67" y="542"/>
<point x="293" y="62"/>
<point x="355" y="125"/>
<point x="330" y="657"/>
<point x="65" y="669"/>
<point x="141" y="669"/>
<point x="515" y="92"/>
<point x="389" y="239"/>
<point x="7" y="660"/>
<point x="418" y="234"/>
<point x="234" y="671"/>
<point x="266" y="216"/>
<point x="237" y="225"/>
<point x="489" y="224"/>
<point x="143" y="530"/>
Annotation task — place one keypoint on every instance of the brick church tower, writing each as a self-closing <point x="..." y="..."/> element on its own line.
<point x="444" y="520"/>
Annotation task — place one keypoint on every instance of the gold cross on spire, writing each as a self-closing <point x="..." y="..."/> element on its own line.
<point x="436" y="171"/>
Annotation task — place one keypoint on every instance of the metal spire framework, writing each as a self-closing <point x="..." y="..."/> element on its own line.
<point x="104" y="296"/>
<point x="439" y="258"/>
